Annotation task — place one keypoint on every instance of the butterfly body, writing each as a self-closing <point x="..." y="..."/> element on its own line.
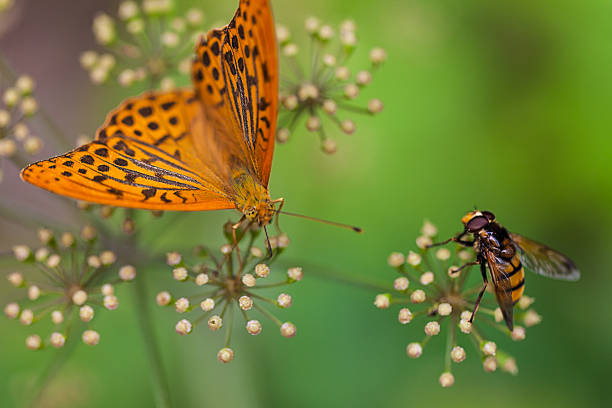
<point x="205" y="148"/>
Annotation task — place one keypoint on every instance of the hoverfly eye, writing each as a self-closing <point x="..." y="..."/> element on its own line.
<point x="490" y="216"/>
<point x="477" y="223"/>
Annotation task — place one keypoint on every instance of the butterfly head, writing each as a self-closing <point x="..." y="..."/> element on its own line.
<point x="253" y="199"/>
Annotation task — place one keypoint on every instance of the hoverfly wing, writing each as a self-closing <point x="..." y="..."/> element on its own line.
<point x="544" y="260"/>
<point x="502" y="286"/>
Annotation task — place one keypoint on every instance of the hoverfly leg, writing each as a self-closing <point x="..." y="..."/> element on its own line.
<point x="465" y="265"/>
<point x="440" y="243"/>
<point x="280" y="207"/>
<point x="483" y="269"/>
<point x="457" y="239"/>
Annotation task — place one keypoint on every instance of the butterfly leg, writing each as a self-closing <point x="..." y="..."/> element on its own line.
<point x="280" y="207"/>
<point x="483" y="270"/>
<point x="234" y="236"/>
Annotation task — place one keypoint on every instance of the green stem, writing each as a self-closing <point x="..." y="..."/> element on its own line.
<point x="158" y="376"/>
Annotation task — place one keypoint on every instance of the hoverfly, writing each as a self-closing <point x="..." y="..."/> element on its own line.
<point x="506" y="253"/>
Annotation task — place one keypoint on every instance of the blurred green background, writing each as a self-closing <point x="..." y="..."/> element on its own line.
<point x="504" y="105"/>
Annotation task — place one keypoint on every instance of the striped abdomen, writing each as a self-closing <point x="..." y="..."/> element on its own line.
<point x="516" y="274"/>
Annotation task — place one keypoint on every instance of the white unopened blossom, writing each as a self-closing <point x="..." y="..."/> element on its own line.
<point x="401" y="284"/>
<point x="382" y="301"/>
<point x="432" y="328"/>
<point x="413" y="259"/>
<point x="426" y="278"/>
<point x="396" y="259"/>
<point x="446" y="379"/>
<point x="163" y="298"/>
<point x="26" y="317"/>
<point x="111" y="302"/>
<point x="91" y="337"/>
<point x="11" y="310"/>
<point x="248" y="280"/>
<point x="489" y="348"/>
<point x="127" y="273"/>
<point x="284" y="300"/>
<point x="183" y="327"/>
<point x="79" y="297"/>
<point x="225" y="355"/>
<point x="33" y="292"/>
<point x="181" y="305"/>
<point x="288" y="329"/>
<point x="445" y="309"/>
<point x="215" y="323"/>
<point x="458" y="354"/>
<point x="33" y="342"/>
<point x="253" y="327"/>
<point x="418" y="296"/>
<point x="86" y="313"/>
<point x="207" y="304"/>
<point x="295" y="273"/>
<point x="414" y="350"/>
<point x="518" y="333"/>
<point x="201" y="279"/>
<point x="180" y="274"/>
<point x="104" y="29"/>
<point x="262" y="270"/>
<point x="378" y="55"/>
<point x="245" y="302"/>
<point x="404" y="316"/>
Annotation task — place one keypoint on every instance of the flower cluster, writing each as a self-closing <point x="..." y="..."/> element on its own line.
<point x="65" y="280"/>
<point x="430" y="286"/>
<point x="327" y="87"/>
<point x="17" y="107"/>
<point x="147" y="42"/>
<point x="232" y="281"/>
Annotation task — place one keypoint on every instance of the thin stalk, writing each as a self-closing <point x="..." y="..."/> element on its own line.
<point x="158" y="376"/>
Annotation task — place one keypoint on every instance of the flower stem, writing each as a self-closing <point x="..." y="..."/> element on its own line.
<point x="158" y="376"/>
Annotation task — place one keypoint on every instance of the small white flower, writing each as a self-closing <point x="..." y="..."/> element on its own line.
<point x="33" y="342"/>
<point x="351" y="90"/>
<point x="79" y="297"/>
<point x="489" y="348"/>
<point x="426" y="278"/>
<point x="490" y="364"/>
<point x="363" y="78"/>
<point x="432" y="328"/>
<point x="225" y="355"/>
<point x="445" y="309"/>
<point x="127" y="273"/>
<point x="57" y="317"/>
<point x="180" y="274"/>
<point x="498" y="315"/>
<point x="396" y="259"/>
<point x="93" y="261"/>
<point x="414" y="350"/>
<point x="104" y="29"/>
<point x="88" y="59"/>
<point x="518" y="333"/>
<point x="226" y="249"/>
<point x="295" y="273"/>
<point x="86" y="313"/>
<point x="91" y="337"/>
<point x="291" y="102"/>
<point x="531" y="318"/>
<point x="326" y="32"/>
<point x="215" y="323"/>
<point x="382" y="301"/>
<point x="343" y="73"/>
<point x="25" y="84"/>
<point x="253" y="327"/>
<point x="135" y="26"/>
<point x="194" y="16"/>
<point x="405" y="316"/>
<point x="33" y="292"/>
<point x="16" y="279"/>
<point x="181" y="305"/>
<point x="465" y="326"/>
<point x="11" y="310"/>
<point x="21" y="131"/>
<point x="282" y="34"/>
<point x="262" y="270"/>
<point x="245" y="302"/>
<point x="330" y="106"/>
<point x="8" y="147"/>
<point x="288" y="329"/>
<point x="401" y="284"/>
<point x="67" y="239"/>
<point x="458" y="354"/>
<point x="207" y="304"/>
<point x="510" y="366"/>
<point x="308" y="91"/>
<point x="378" y="55"/>
<point x="313" y="123"/>
<point x="53" y="261"/>
<point x="248" y="280"/>
<point x="284" y="300"/>
<point x="111" y="302"/>
<point x="108" y="257"/>
<point x="290" y="50"/>
<point x="21" y="252"/>
<point x="312" y="25"/>
<point x="422" y="241"/>
<point x="183" y="327"/>
<point x="163" y="298"/>
<point x="11" y="97"/>
<point x="413" y="258"/>
<point x="443" y="254"/>
<point x="446" y="380"/>
<point x="348" y="126"/>
<point x="525" y="301"/>
<point x="329" y="146"/>
<point x="128" y="10"/>
<point x="126" y="77"/>
<point x="201" y="279"/>
<point x="26" y="317"/>
<point x="329" y="60"/>
<point x="5" y="118"/>
<point x="57" y="340"/>
<point x="429" y="229"/>
<point x="170" y="39"/>
<point x="418" y="296"/>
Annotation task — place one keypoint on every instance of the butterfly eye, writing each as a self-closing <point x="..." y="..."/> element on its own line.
<point x="477" y="223"/>
<point x="490" y="216"/>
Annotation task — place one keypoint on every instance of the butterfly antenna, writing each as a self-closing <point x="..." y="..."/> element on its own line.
<point x="335" y="224"/>
<point x="268" y="244"/>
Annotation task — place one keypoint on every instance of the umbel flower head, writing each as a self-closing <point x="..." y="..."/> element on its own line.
<point x="235" y="281"/>
<point x="429" y="290"/>
<point x="66" y="280"/>
<point x="326" y="90"/>
<point x="17" y="107"/>
<point x="147" y="41"/>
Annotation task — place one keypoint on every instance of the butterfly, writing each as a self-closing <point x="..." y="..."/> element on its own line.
<point x="205" y="148"/>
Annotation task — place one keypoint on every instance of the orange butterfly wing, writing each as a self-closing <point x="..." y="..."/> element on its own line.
<point x="236" y="73"/>
<point x="143" y="157"/>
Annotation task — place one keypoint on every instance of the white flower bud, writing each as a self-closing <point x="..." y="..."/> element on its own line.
<point x="170" y="39"/>
<point x="79" y="297"/>
<point x="446" y="380"/>
<point x="88" y="59"/>
<point x="57" y="340"/>
<point x="313" y="123"/>
<point x="378" y="55"/>
<point x="86" y="313"/>
<point x="225" y="355"/>
<point x="426" y="278"/>
<point x="173" y="258"/>
<point x="291" y="102"/>
<point x="8" y="147"/>
<point x="194" y="16"/>
<point x="329" y="60"/>
<point x="248" y="280"/>
<point x="253" y="327"/>
<point x="5" y="118"/>
<point x="348" y="126"/>
<point x="401" y="284"/>
<point x="351" y="90"/>
<point x="432" y="328"/>
<point x="423" y="241"/>
<point x="32" y="145"/>
<point x="11" y="97"/>
<point x="458" y="354"/>
<point x="525" y="301"/>
<point x="88" y="233"/>
<point x="348" y="39"/>
<point x="181" y="305"/>
<point x="465" y="326"/>
<point x="382" y="301"/>
<point x="41" y="254"/>
<point x="16" y="279"/>
<point x="33" y="292"/>
<point x="127" y="273"/>
<point x="21" y="252"/>
<point x="348" y="26"/>
<point x="288" y="329"/>
<point x="45" y="236"/>
<point x="282" y="34"/>
<point x="329" y="146"/>
<point x="104" y="29"/>
<point x="226" y="249"/>
<point x="363" y="78"/>
<point x="183" y="327"/>
<point x="215" y="323"/>
<point x="464" y="255"/>
<point x="283" y="241"/>
<point x="445" y="309"/>
<point x="91" y="337"/>
<point x="11" y="310"/>
<point x="404" y="316"/>
<point x="466" y="315"/>
<point x="443" y="254"/>
<point x="518" y="333"/>
<point x="163" y="298"/>
<point x="245" y="302"/>
<point x="295" y="273"/>
<point x="312" y="25"/>
<point x="108" y="258"/>
<point x="67" y="239"/>
<point x="26" y="317"/>
<point x="94" y="262"/>
<point x="413" y="258"/>
<point x="454" y="272"/>
<point x="21" y="131"/>
<point x="207" y="304"/>
<point x="290" y="50"/>
<point x="135" y="26"/>
<point x="111" y="302"/>
<point x="326" y="32"/>
<point x="396" y="259"/>
<point x="126" y="77"/>
<point x="489" y="348"/>
<point x="25" y="84"/>
<point x="180" y="274"/>
<point x="498" y="315"/>
<point x="282" y="136"/>
<point x="490" y="364"/>
<point x="284" y="300"/>
<point x="343" y="73"/>
<point x="414" y="350"/>
<point x="201" y="279"/>
<point x="128" y="10"/>
<point x="308" y="92"/>
<point x="53" y="261"/>
<point x="262" y="270"/>
<point x="33" y="342"/>
<point x="510" y="366"/>
<point x="531" y="318"/>
<point x="330" y="107"/>
<point x="418" y="296"/>
<point x="57" y="317"/>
